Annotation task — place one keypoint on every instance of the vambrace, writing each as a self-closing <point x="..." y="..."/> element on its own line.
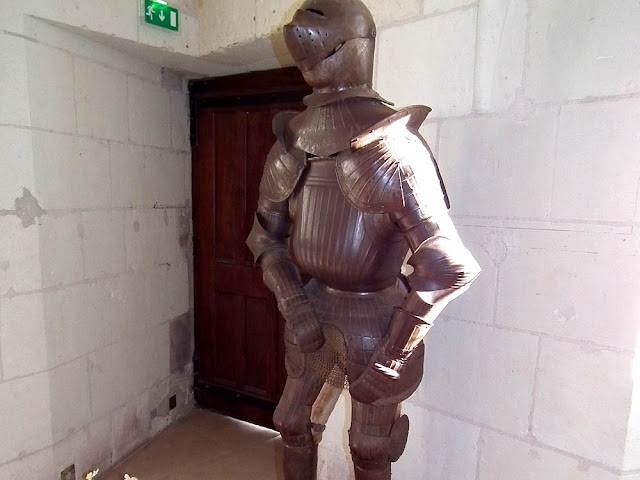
<point x="267" y="243"/>
<point x="443" y="269"/>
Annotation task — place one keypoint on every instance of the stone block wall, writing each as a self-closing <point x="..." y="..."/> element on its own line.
<point x="95" y="252"/>
<point x="531" y="374"/>
<point x="535" y="123"/>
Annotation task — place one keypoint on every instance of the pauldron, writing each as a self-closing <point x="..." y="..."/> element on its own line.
<point x="284" y="165"/>
<point x="390" y="167"/>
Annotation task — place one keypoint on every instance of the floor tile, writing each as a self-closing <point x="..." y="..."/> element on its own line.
<point x="205" y="445"/>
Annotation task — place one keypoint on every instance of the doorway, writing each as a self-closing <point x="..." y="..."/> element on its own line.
<point x="239" y="351"/>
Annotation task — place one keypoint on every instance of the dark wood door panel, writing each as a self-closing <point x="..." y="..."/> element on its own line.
<point x="203" y="242"/>
<point x="230" y="205"/>
<point x="239" y="358"/>
<point x="240" y="279"/>
<point x="261" y="328"/>
<point x="229" y="335"/>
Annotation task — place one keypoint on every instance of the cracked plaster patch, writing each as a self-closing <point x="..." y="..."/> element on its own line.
<point x="28" y="208"/>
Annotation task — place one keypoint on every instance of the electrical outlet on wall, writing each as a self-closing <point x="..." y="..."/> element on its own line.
<point x="68" y="473"/>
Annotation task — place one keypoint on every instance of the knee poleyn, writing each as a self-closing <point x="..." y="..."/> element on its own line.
<point x="294" y="426"/>
<point x="368" y="452"/>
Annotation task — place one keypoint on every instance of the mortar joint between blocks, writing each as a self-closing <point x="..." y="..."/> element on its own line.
<point x="542" y="335"/>
<point x="554" y="162"/>
<point x="535" y="387"/>
<point x="479" y="448"/>
<point x="527" y="439"/>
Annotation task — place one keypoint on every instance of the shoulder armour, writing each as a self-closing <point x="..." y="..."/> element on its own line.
<point x="279" y="127"/>
<point x="284" y="165"/>
<point x="391" y="162"/>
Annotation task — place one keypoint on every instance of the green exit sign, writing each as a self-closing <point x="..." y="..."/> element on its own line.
<point x="158" y="13"/>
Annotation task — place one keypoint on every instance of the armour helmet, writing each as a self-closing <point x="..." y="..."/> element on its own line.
<point x="332" y="42"/>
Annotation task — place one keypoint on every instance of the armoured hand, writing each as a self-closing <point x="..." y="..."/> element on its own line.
<point x="378" y="384"/>
<point x="379" y="379"/>
<point x="281" y="276"/>
<point x="303" y="320"/>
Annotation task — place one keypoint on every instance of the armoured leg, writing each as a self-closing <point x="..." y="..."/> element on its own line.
<point x="292" y="419"/>
<point x="377" y="437"/>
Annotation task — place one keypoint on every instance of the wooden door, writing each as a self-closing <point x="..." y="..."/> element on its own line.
<point x="239" y="356"/>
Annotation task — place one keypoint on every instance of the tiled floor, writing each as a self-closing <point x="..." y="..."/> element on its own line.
<point x="206" y="446"/>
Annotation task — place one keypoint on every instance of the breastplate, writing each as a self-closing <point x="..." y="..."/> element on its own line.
<point x="337" y="244"/>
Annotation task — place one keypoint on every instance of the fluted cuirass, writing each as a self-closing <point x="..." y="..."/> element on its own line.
<point x="337" y="244"/>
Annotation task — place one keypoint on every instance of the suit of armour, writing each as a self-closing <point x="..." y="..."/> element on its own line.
<point x="348" y="189"/>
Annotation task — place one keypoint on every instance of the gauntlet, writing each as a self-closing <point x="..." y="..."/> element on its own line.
<point x="281" y="276"/>
<point x="378" y="383"/>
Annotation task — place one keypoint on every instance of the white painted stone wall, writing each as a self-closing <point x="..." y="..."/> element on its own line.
<point x="535" y="123"/>
<point x="532" y="374"/>
<point x="95" y="316"/>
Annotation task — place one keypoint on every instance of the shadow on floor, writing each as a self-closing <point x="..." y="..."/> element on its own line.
<point x="206" y="446"/>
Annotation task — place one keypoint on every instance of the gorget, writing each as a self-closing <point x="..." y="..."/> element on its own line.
<point x="318" y="99"/>
<point x="326" y="129"/>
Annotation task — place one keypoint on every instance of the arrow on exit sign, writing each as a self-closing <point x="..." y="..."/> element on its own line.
<point x="161" y="15"/>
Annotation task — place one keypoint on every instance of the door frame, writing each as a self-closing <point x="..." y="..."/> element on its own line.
<point x="235" y="92"/>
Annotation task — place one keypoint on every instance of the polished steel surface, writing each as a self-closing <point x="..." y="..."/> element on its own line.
<point x="349" y="188"/>
<point x="344" y="248"/>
